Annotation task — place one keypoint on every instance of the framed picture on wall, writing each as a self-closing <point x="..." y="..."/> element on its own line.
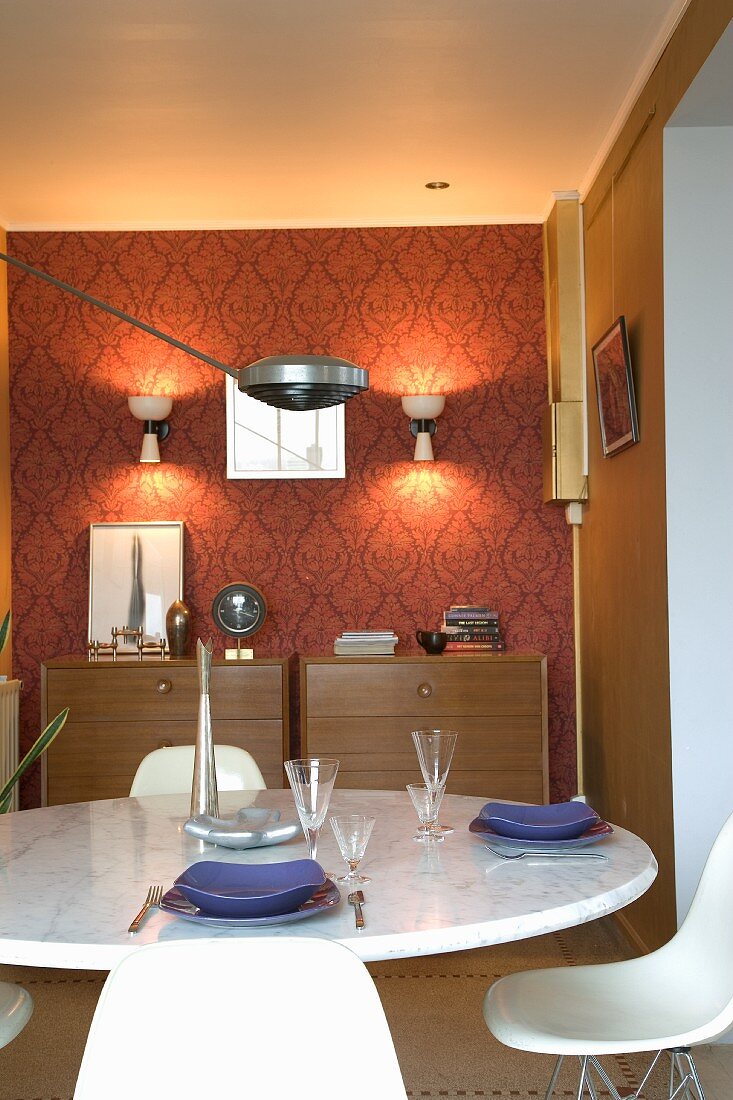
<point x="135" y="574"/>
<point x="615" y="389"/>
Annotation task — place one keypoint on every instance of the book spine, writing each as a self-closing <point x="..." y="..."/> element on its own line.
<point x="469" y="647"/>
<point x="471" y="616"/>
<point x="474" y="636"/>
<point x="472" y="608"/>
<point x="491" y="627"/>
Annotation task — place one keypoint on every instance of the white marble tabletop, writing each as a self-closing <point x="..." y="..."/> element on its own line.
<point x="72" y="878"/>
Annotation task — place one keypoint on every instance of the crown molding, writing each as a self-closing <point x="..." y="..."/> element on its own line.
<point x="295" y="223"/>
<point x="651" y="58"/>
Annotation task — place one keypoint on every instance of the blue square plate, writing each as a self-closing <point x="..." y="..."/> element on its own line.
<point x="326" y="897"/>
<point x="250" y="889"/>
<point x="559" y="821"/>
<point x="597" y="832"/>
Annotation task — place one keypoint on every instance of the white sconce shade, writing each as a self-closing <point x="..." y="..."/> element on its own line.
<point x="423" y="448"/>
<point x="151" y="450"/>
<point x="423" y="410"/>
<point x="152" y="410"/>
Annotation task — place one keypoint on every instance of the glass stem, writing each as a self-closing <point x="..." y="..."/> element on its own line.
<point x="312" y="838"/>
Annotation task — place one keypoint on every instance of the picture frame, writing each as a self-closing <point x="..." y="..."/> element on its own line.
<point x="267" y="442"/>
<point x="135" y="574"/>
<point x="615" y="389"/>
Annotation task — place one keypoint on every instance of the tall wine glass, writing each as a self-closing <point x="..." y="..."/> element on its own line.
<point x="434" y="752"/>
<point x="312" y="782"/>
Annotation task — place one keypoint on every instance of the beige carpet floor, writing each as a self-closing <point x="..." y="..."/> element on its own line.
<point x="433" y="1005"/>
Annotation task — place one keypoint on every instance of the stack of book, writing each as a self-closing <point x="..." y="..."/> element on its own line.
<point x="365" y="643"/>
<point x="473" y="628"/>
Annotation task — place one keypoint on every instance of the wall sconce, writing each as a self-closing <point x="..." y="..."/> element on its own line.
<point x="153" y="412"/>
<point x="422" y="409"/>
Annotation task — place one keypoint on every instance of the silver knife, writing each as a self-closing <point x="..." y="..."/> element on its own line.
<point x="357" y="900"/>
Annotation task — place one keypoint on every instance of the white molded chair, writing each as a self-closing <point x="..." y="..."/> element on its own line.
<point x="669" y="1000"/>
<point x="170" y="771"/>
<point x="16" y="1009"/>
<point x="271" y="1019"/>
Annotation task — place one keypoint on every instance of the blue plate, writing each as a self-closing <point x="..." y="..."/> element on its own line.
<point x="250" y="889"/>
<point x="325" y="898"/>
<point x="597" y="832"/>
<point x="559" y="821"/>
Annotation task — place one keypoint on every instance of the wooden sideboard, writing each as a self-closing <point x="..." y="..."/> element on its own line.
<point x="362" y="710"/>
<point x="122" y="710"/>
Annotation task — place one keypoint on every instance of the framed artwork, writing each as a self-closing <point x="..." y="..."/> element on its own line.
<point x="615" y="389"/>
<point x="135" y="574"/>
<point x="265" y="442"/>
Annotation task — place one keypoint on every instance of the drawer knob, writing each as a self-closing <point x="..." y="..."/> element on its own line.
<point x="165" y="744"/>
<point x="424" y="690"/>
<point x="164" y="686"/>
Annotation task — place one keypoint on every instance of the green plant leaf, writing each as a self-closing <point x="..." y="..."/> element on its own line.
<point x="4" y="632"/>
<point x="40" y="746"/>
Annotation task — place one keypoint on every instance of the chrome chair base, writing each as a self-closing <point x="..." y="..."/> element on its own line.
<point x="684" y="1082"/>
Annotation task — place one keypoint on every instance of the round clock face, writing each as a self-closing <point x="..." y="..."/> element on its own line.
<point x="239" y="609"/>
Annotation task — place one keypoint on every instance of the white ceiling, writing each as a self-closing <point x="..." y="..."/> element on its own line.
<point x="237" y="113"/>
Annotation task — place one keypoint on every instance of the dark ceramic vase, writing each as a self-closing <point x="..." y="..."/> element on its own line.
<point x="178" y="628"/>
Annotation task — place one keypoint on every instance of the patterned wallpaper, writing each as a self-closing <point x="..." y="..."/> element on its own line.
<point x="450" y="310"/>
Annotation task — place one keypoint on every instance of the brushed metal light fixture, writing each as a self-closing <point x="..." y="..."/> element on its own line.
<point x="423" y="409"/>
<point x="154" y="412"/>
<point x="297" y="382"/>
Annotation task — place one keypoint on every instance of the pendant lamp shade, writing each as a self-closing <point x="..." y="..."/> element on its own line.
<point x="302" y="382"/>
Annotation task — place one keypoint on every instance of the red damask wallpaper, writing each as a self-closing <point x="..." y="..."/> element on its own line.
<point x="450" y="310"/>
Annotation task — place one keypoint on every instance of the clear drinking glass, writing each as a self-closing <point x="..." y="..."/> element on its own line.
<point x="352" y="832"/>
<point x="312" y="782"/>
<point x="435" y="751"/>
<point x="427" y="804"/>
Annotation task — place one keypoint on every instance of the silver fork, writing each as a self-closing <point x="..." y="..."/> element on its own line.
<point x="155" y="895"/>
<point x="546" y="855"/>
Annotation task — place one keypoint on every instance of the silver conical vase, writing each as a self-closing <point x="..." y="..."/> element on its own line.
<point x="204" y="793"/>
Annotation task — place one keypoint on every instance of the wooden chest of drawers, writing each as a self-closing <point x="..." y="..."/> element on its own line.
<point x="123" y="710"/>
<point x="362" y="710"/>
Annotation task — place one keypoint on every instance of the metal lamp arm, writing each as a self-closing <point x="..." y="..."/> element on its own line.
<point x="122" y="316"/>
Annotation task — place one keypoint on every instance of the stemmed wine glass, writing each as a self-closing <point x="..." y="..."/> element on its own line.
<point x="427" y="805"/>
<point x="352" y="832"/>
<point x="312" y="782"/>
<point x="435" y="751"/>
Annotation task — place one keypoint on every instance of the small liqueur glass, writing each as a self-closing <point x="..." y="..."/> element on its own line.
<point x="427" y="804"/>
<point x="352" y="832"/>
<point x="312" y="781"/>
<point x="434" y="750"/>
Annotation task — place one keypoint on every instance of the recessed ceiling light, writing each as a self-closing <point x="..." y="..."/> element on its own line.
<point x="437" y="185"/>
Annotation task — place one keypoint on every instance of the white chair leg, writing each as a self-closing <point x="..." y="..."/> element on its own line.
<point x="553" y="1079"/>
<point x="581" y="1083"/>
<point x="589" y="1081"/>
<point x="684" y="1064"/>
<point x="696" y="1079"/>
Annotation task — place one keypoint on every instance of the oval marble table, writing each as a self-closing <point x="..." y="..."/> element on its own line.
<point x="72" y="878"/>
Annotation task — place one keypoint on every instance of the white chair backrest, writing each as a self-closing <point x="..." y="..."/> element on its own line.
<point x="266" y="1019"/>
<point x="703" y="947"/>
<point x="170" y="771"/>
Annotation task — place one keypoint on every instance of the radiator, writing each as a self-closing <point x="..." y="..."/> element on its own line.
<point x="9" y="711"/>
